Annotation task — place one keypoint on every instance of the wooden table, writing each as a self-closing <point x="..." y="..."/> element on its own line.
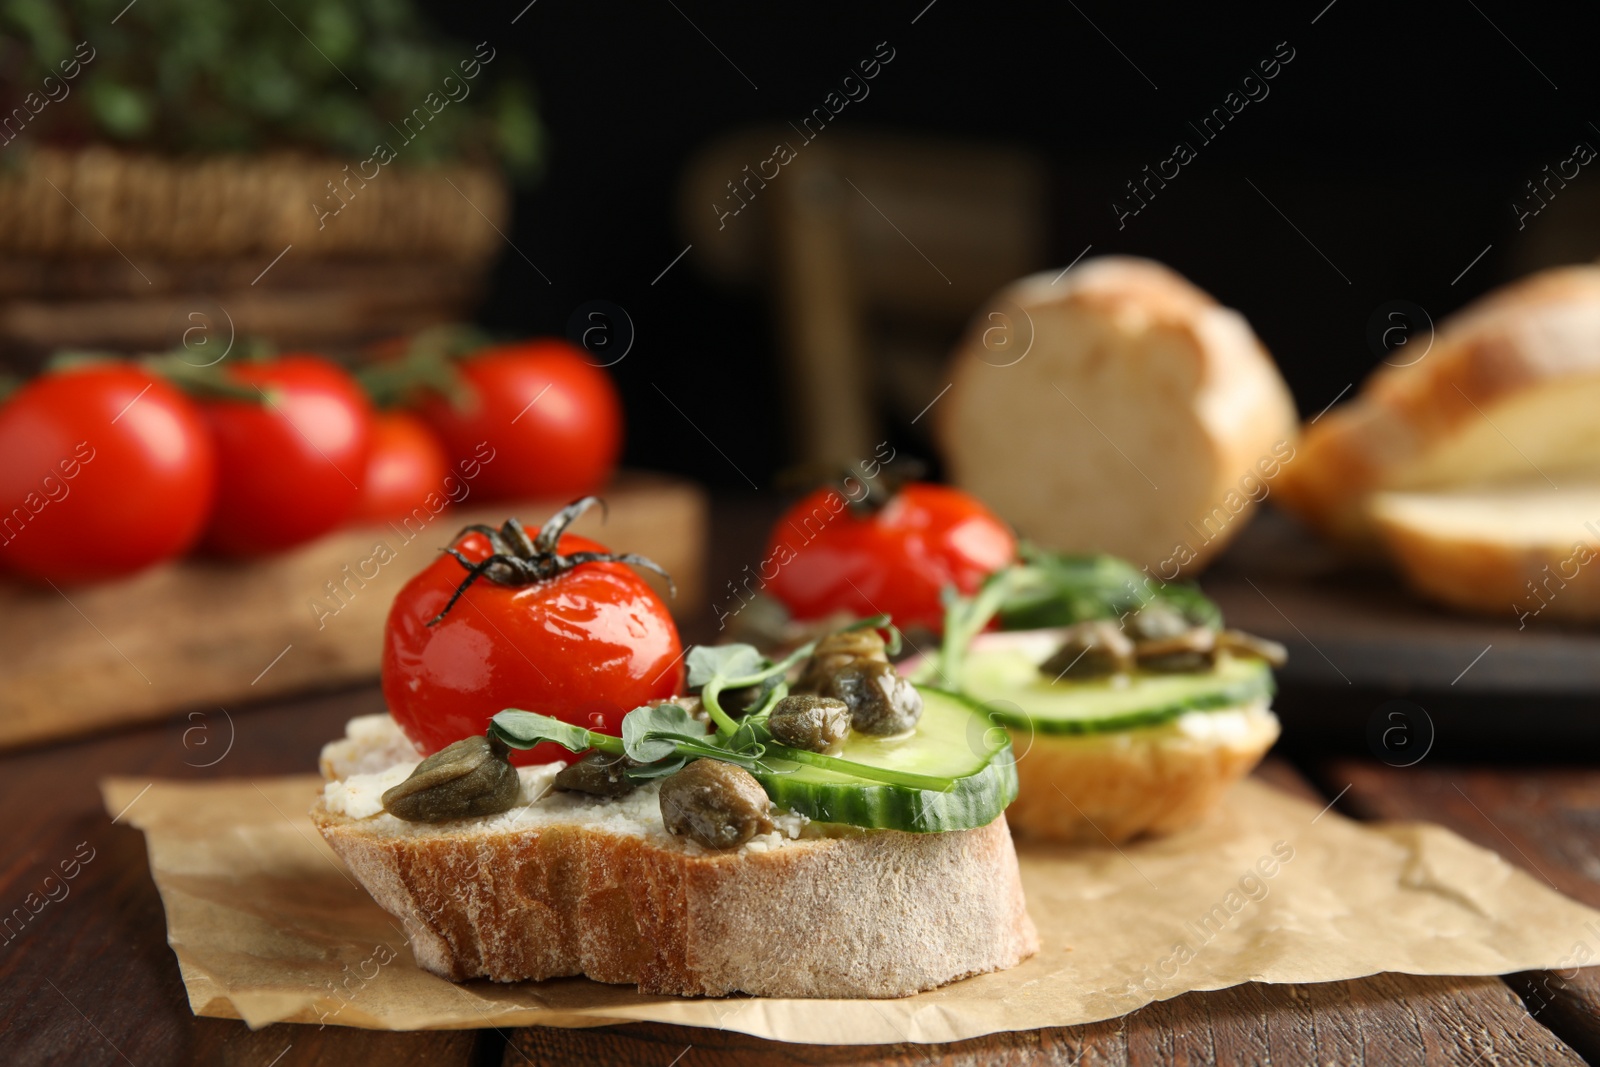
<point x="90" y="979"/>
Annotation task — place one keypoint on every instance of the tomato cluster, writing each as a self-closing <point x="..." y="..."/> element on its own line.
<point x="109" y="467"/>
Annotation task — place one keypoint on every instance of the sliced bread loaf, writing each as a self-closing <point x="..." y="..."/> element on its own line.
<point x="1508" y="390"/>
<point x="1525" y="550"/>
<point x="565" y="884"/>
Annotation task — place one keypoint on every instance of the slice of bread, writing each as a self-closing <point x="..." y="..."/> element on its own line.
<point x="1117" y="408"/>
<point x="1088" y="789"/>
<point x="575" y="885"/>
<point x="1508" y="389"/>
<point x="1524" y="550"/>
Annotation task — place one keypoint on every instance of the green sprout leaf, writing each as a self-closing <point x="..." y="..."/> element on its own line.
<point x="1063" y="589"/>
<point x="749" y="759"/>
<point x="653" y="733"/>
<point x="1049" y="589"/>
<point x="729" y="661"/>
<point x="660" y="769"/>
<point x="524" y="729"/>
<point x="751" y="736"/>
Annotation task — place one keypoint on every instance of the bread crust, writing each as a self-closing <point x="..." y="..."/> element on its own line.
<point x="1485" y="571"/>
<point x="1088" y="789"/>
<point x="1530" y="343"/>
<point x="865" y="914"/>
<point x="1204" y="402"/>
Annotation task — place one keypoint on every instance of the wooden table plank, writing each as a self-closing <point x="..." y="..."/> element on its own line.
<point x="1349" y="625"/>
<point x="1386" y="1019"/>
<point x="1545" y="820"/>
<point x="89" y="978"/>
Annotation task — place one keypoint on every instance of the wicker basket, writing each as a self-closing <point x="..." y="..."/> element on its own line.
<point x="100" y="248"/>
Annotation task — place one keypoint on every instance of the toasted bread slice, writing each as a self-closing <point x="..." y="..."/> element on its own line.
<point x="574" y="885"/>
<point x="1121" y="784"/>
<point x="1117" y="409"/>
<point x="1526" y="550"/>
<point x="1508" y="390"/>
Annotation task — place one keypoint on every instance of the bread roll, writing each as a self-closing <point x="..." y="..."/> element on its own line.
<point x="1117" y="409"/>
<point x="1509" y="390"/>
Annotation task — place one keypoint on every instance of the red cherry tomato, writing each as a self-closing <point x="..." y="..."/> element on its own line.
<point x="553" y="419"/>
<point x="587" y="646"/>
<point x="104" y="470"/>
<point x="289" y="467"/>
<point x="895" y="561"/>
<point x="406" y="465"/>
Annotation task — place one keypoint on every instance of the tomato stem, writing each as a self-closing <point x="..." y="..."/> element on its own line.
<point x="427" y="366"/>
<point x="520" y="560"/>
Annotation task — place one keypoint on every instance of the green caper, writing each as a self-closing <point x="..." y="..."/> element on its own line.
<point x="1239" y="643"/>
<point x="599" y="774"/>
<point x="809" y="722"/>
<point x="836" y="652"/>
<point x="1156" y="621"/>
<point x="472" y="777"/>
<point x="1090" y="650"/>
<point x="880" y="700"/>
<point x="1179" y="663"/>
<point x="1185" y="653"/>
<point x="715" y="804"/>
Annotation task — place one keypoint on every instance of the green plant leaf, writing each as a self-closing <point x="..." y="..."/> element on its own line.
<point x="709" y="749"/>
<point x="659" y="769"/>
<point x="44" y="25"/>
<point x="653" y="733"/>
<point x="334" y="30"/>
<point x="1059" y="589"/>
<point x="729" y="661"/>
<point x="125" y="112"/>
<point x="751" y="736"/>
<point x="180" y="76"/>
<point x="524" y="729"/>
<point x="519" y="134"/>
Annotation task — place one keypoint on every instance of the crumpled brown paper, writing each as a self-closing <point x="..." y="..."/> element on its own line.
<point x="269" y="927"/>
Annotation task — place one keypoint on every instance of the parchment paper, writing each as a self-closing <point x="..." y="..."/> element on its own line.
<point x="268" y="927"/>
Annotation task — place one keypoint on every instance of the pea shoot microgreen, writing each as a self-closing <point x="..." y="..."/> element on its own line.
<point x="1048" y="589"/>
<point x="662" y="738"/>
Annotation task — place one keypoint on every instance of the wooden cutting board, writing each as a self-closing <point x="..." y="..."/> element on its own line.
<point x="201" y="634"/>
<point x="1361" y="627"/>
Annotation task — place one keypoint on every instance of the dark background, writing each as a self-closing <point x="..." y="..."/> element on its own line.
<point x="1396" y="140"/>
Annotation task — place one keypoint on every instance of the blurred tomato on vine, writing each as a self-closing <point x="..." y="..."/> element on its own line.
<point x="291" y="459"/>
<point x="553" y="419"/>
<point x="883" y="548"/>
<point x="105" y="469"/>
<point x="406" y="466"/>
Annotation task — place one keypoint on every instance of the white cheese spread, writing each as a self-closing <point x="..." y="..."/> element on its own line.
<point x="374" y="756"/>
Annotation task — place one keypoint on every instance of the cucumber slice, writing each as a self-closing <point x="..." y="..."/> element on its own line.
<point x="953" y="741"/>
<point x="1002" y="672"/>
